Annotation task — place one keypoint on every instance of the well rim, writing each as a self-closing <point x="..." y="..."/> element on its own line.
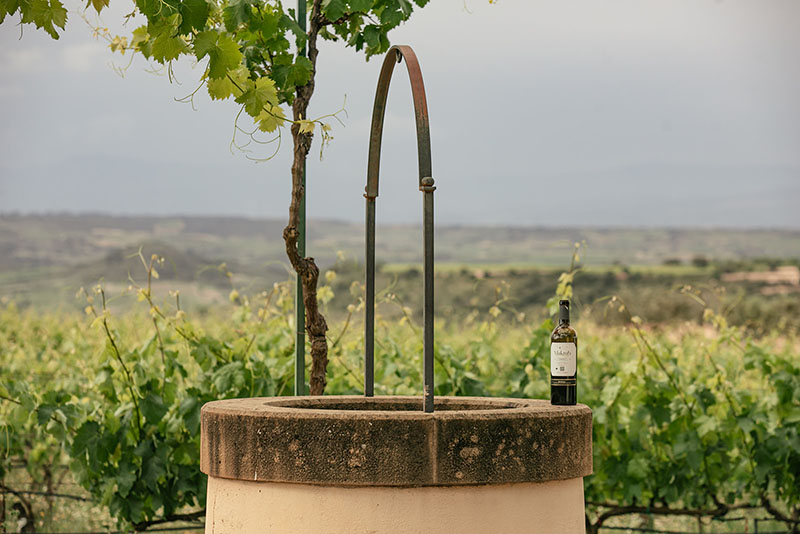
<point x="304" y="440"/>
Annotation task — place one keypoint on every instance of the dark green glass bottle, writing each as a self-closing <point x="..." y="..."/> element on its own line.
<point x="563" y="359"/>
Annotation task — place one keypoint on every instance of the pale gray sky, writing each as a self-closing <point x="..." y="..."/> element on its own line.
<point x="658" y="113"/>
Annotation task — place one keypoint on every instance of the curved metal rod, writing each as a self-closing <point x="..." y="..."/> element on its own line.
<point x="395" y="55"/>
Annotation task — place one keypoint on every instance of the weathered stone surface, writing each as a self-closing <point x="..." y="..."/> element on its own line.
<point x="389" y="441"/>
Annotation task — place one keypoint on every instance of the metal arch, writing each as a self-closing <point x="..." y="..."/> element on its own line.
<point x="395" y="55"/>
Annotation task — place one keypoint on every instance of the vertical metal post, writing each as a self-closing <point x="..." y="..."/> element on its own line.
<point x="369" y="317"/>
<point x="428" y="188"/>
<point x="300" y="309"/>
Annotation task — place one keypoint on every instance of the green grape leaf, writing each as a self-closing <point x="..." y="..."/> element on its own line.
<point x="307" y="127"/>
<point x="104" y="382"/>
<point x="269" y="121"/>
<point x="793" y="416"/>
<point x="610" y="390"/>
<point x="48" y="16"/>
<point x="406" y="8"/>
<point x="269" y="24"/>
<point x="98" y="5"/>
<point x="230" y="84"/>
<point x="289" y="75"/>
<point x="257" y="95"/>
<point x="372" y="36"/>
<point x="333" y="9"/>
<point x="5" y="9"/>
<point x="745" y="423"/>
<point x="360" y="5"/>
<point x="86" y="435"/>
<point x="190" y="411"/>
<point x="223" y="52"/>
<point x="237" y="12"/>
<point x="166" y="45"/>
<point x="194" y="14"/>
<point x="637" y="468"/>
<point x="290" y="24"/>
<point x="24" y="7"/>
<point x="228" y="376"/>
<point x="140" y="40"/>
<point x="391" y="17"/>
<point x="152" y="469"/>
<point x="44" y="412"/>
<point x="706" y="425"/>
<point x="156" y="10"/>
<point x="135" y="509"/>
<point x="125" y="477"/>
<point x="153" y="408"/>
<point x="300" y="72"/>
<point x="165" y="49"/>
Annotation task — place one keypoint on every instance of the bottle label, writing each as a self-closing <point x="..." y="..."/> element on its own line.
<point x="559" y="381"/>
<point x="563" y="359"/>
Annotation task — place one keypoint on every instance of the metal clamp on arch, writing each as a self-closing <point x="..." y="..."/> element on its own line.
<point x="395" y="55"/>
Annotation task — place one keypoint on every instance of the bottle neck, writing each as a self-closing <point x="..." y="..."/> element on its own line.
<point x="563" y="315"/>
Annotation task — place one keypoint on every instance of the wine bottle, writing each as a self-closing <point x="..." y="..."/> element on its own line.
<point x="563" y="359"/>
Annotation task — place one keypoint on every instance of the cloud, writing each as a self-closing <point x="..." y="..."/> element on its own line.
<point x="23" y="60"/>
<point x="74" y="58"/>
<point x="82" y="58"/>
<point x="11" y="91"/>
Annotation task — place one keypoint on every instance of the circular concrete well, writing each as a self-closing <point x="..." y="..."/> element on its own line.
<point x="382" y="465"/>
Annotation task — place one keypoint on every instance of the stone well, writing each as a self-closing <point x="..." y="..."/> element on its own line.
<point x="395" y="465"/>
<point x="382" y="465"/>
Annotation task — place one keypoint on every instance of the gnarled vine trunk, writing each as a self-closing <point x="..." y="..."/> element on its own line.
<point x="306" y="268"/>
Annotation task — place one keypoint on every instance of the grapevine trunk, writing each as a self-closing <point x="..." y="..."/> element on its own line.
<point x="306" y="268"/>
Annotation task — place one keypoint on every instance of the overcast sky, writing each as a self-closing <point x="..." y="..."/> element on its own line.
<point x="657" y="113"/>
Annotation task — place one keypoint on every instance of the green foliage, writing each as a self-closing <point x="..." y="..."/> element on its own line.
<point x="702" y="418"/>
<point x="47" y="15"/>
<point x="222" y="51"/>
<point x="707" y="422"/>
<point x="253" y="47"/>
<point x="126" y="416"/>
<point x="365" y="24"/>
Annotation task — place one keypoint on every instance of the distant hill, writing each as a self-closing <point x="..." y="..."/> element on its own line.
<point x="44" y="258"/>
<point x="60" y="240"/>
